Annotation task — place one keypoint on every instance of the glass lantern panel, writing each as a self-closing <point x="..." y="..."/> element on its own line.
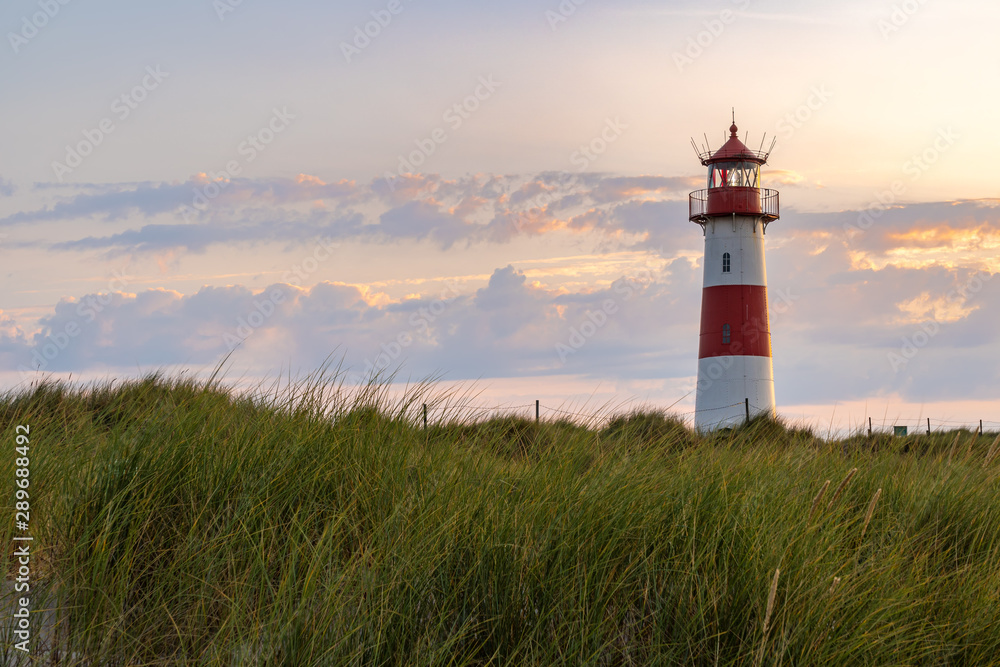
<point x="734" y="175"/>
<point x="743" y="175"/>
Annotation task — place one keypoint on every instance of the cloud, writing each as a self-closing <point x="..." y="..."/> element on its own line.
<point x="849" y="300"/>
<point x="624" y="212"/>
<point x="145" y="199"/>
<point x="619" y="188"/>
<point x="13" y="342"/>
<point x="419" y="220"/>
<point x="198" y="238"/>
<point x="474" y="209"/>
<point x="199" y="194"/>
<point x="833" y="340"/>
<point x="964" y="233"/>
<point x="784" y="177"/>
<point x="7" y="188"/>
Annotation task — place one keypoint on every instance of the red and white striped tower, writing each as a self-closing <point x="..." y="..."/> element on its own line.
<point x="735" y="377"/>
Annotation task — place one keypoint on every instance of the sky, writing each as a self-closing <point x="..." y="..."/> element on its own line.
<point x="494" y="195"/>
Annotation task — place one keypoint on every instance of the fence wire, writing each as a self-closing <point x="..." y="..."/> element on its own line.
<point x="463" y="413"/>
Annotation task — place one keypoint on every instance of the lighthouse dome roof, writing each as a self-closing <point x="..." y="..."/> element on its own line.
<point x="734" y="149"/>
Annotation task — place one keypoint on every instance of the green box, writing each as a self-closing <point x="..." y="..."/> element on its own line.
<point x="899" y="430"/>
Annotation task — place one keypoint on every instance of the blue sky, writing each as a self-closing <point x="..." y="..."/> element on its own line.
<point x="480" y="179"/>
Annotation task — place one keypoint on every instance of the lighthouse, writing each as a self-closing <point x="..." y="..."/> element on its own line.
<point x="735" y="376"/>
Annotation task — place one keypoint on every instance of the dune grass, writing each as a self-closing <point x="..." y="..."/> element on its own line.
<point x="183" y="524"/>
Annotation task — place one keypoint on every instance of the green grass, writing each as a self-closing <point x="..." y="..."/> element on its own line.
<point x="187" y="525"/>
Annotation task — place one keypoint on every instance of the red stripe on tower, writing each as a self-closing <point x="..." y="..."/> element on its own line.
<point x="741" y="308"/>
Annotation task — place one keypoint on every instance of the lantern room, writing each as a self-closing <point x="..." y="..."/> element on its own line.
<point x="734" y="174"/>
<point x="733" y="183"/>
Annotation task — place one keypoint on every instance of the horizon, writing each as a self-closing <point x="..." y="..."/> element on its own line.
<point x="500" y="196"/>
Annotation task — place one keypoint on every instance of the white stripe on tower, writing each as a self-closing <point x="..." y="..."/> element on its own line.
<point x="745" y="248"/>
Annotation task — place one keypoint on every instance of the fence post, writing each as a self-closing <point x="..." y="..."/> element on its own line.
<point x="748" y="409"/>
<point x="536" y="410"/>
<point x="980" y="427"/>
<point x="869" y="427"/>
<point x="928" y="426"/>
<point x="425" y="416"/>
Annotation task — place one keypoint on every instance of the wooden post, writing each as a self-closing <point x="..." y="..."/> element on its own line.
<point x="928" y="426"/>
<point x="869" y="427"/>
<point x="536" y="410"/>
<point x="980" y="427"/>
<point x="425" y="416"/>
<point x="748" y="410"/>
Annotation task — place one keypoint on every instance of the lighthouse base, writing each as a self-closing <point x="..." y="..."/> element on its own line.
<point x="724" y="385"/>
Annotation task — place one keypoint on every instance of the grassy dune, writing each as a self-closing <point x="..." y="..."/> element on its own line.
<point x="185" y="525"/>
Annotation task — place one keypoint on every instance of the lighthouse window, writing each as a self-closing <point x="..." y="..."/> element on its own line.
<point x="725" y="262"/>
<point x="725" y="334"/>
